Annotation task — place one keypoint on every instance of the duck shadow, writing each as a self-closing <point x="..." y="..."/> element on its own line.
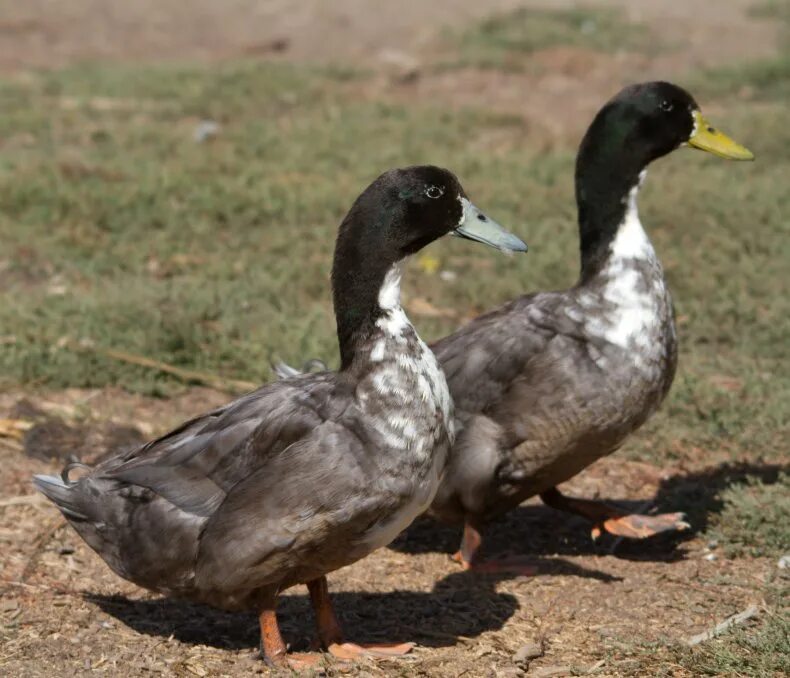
<point x="458" y="605"/>
<point x="537" y="531"/>
<point x="461" y="603"/>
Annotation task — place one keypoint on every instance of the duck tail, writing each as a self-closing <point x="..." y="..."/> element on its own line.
<point x="62" y="492"/>
<point x="285" y="371"/>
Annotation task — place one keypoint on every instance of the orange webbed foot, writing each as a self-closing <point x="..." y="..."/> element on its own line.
<point x="638" y="526"/>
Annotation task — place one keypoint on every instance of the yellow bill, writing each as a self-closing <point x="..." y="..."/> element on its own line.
<point x="709" y="139"/>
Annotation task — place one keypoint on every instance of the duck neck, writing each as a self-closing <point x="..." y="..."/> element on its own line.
<point x="363" y="296"/>
<point x="607" y="181"/>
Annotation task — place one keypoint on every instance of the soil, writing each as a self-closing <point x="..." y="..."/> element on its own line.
<point x="63" y="612"/>
<point x="587" y="609"/>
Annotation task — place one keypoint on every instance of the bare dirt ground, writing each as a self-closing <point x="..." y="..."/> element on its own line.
<point x="62" y="612"/>
<point x="397" y="40"/>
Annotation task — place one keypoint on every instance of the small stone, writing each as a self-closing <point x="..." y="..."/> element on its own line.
<point x="784" y="562"/>
<point x="711" y="557"/>
<point x="713" y="543"/>
<point x="551" y="671"/>
<point x="205" y="130"/>
<point x="528" y="651"/>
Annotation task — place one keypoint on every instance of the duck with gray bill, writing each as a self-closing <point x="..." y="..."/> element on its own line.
<point x="303" y="476"/>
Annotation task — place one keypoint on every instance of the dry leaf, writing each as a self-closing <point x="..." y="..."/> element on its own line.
<point x="14" y="428"/>
<point x="423" y="307"/>
<point x="428" y="263"/>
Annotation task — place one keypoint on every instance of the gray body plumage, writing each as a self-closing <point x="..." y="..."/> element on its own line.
<point x="550" y="382"/>
<point x="281" y="486"/>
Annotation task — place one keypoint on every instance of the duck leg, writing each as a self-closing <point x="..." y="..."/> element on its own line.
<point x="273" y="646"/>
<point x="467" y="557"/>
<point x="331" y="634"/>
<point x="606" y="518"/>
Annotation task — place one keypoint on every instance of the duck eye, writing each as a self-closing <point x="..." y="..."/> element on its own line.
<point x="666" y="106"/>
<point x="434" y="192"/>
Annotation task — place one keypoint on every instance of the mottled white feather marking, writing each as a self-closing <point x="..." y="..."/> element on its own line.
<point x="401" y="396"/>
<point x="636" y="302"/>
<point x="377" y="354"/>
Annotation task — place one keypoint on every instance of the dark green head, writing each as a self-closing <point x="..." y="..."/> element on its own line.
<point x="405" y="209"/>
<point x="646" y="121"/>
<point x="398" y="214"/>
<point x="640" y="124"/>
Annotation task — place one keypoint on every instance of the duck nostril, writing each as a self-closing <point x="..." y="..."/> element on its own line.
<point x="482" y="217"/>
<point x="712" y="130"/>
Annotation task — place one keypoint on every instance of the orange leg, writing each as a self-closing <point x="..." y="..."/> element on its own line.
<point x="331" y="635"/>
<point x="273" y="646"/>
<point x="606" y="518"/>
<point x="466" y="556"/>
<point x="272" y="643"/>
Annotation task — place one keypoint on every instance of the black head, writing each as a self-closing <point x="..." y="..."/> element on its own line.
<point x="406" y="209"/>
<point x="649" y="120"/>
<point x="399" y="213"/>
<point x="642" y="123"/>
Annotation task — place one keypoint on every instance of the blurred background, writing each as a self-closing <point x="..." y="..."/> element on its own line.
<point x="171" y="178"/>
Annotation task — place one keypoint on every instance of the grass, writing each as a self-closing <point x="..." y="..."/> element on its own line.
<point x="745" y="653"/>
<point x="759" y="80"/>
<point x="506" y="41"/>
<point x="120" y="229"/>
<point x="770" y="9"/>
<point x="754" y="518"/>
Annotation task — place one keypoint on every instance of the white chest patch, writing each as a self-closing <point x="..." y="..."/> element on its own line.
<point x="632" y="304"/>
<point x="401" y="397"/>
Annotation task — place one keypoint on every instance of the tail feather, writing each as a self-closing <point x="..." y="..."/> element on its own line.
<point x="285" y="371"/>
<point x="62" y="494"/>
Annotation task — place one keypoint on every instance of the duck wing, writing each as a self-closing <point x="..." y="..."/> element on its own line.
<point x="485" y="359"/>
<point x="277" y="487"/>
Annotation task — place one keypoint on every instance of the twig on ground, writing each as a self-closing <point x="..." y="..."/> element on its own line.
<point x="740" y="618"/>
<point x="7" y="583"/>
<point x="14" y="428"/>
<point x="211" y="380"/>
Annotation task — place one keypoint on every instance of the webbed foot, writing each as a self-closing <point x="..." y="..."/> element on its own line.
<point x="639" y="526"/>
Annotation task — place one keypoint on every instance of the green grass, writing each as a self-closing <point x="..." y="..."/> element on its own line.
<point x="771" y="9"/>
<point x="765" y="79"/>
<point x="761" y="80"/>
<point x="754" y="518"/>
<point x="506" y="41"/>
<point x="118" y="228"/>
<point x="761" y="649"/>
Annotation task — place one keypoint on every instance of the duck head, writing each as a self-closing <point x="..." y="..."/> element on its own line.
<point x="398" y="214"/>
<point x="406" y="209"/>
<point x="640" y="124"/>
<point x="651" y="119"/>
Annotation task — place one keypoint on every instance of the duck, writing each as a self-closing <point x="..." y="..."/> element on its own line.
<point x="301" y="477"/>
<point x="550" y="382"/>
